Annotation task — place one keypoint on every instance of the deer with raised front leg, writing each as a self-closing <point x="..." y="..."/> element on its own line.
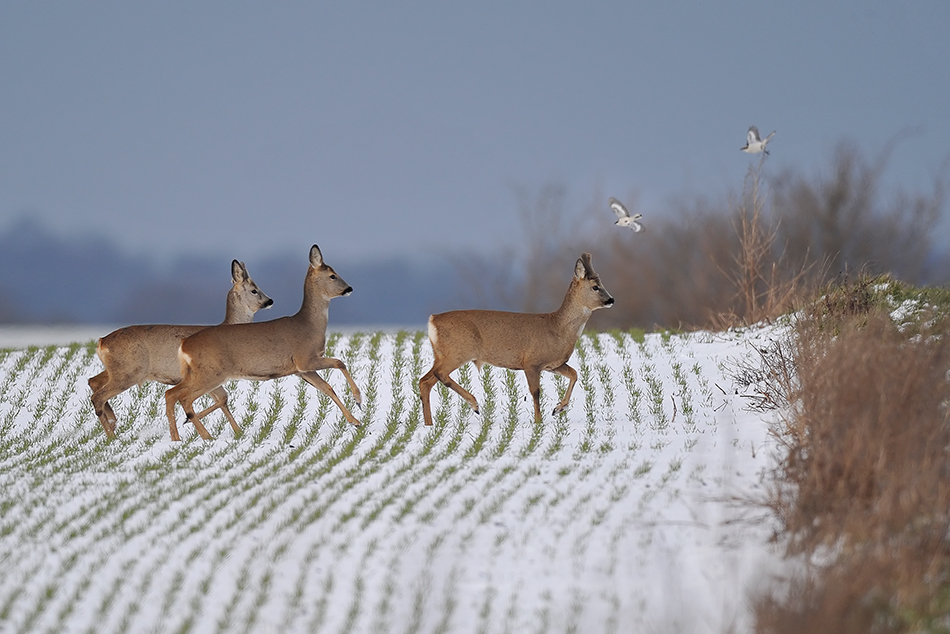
<point x="135" y="354"/>
<point x="265" y="350"/>
<point x="532" y="342"/>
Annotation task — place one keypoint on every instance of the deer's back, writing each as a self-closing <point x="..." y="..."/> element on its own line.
<point x="146" y="353"/>
<point x="261" y="350"/>
<point x="499" y="338"/>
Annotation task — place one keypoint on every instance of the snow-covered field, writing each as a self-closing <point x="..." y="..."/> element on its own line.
<point x="621" y="515"/>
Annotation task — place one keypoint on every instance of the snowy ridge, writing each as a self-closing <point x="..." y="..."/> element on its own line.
<point x="615" y="516"/>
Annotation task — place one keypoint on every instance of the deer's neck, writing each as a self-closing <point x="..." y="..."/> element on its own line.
<point x="236" y="312"/>
<point x="315" y="310"/>
<point x="572" y="316"/>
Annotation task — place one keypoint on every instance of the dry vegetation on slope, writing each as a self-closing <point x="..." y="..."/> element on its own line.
<point x="862" y="491"/>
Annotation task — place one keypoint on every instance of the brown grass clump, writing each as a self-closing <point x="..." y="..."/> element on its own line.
<point x="867" y="437"/>
<point x="863" y="492"/>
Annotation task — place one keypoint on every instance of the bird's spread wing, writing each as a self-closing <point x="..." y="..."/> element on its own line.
<point x="618" y="208"/>
<point x="753" y="135"/>
<point x="770" y="136"/>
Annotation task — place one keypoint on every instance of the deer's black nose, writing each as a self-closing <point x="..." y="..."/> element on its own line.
<point x="349" y="289"/>
<point x="609" y="302"/>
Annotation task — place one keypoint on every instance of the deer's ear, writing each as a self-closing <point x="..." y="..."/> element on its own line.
<point x="588" y="267"/>
<point x="580" y="271"/>
<point x="316" y="258"/>
<point x="238" y="272"/>
<point x="583" y="269"/>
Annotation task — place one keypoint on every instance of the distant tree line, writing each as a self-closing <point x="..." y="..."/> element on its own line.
<point x="47" y="279"/>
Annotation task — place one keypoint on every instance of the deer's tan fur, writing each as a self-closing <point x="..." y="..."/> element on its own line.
<point x="135" y="354"/>
<point x="264" y="350"/>
<point x="532" y="342"/>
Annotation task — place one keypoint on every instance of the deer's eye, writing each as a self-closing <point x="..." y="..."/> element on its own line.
<point x="253" y="292"/>
<point x="333" y="277"/>
<point x="596" y="288"/>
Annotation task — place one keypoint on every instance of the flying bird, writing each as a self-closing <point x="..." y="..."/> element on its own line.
<point x="754" y="143"/>
<point x="624" y="219"/>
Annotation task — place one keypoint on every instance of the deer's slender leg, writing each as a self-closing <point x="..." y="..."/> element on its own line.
<point x="317" y="381"/>
<point x="533" y="375"/>
<point x="324" y="363"/>
<point x="449" y="382"/>
<point x="566" y="371"/>
<point x="220" y="396"/>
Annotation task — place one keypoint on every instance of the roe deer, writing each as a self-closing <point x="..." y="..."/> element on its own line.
<point x="135" y="354"/>
<point x="264" y="350"/>
<point x="518" y="341"/>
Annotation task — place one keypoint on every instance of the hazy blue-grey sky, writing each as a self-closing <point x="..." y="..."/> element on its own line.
<point x="245" y="128"/>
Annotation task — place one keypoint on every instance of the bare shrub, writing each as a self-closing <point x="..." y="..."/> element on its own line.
<point x="843" y="222"/>
<point x="666" y="276"/>
<point x="703" y="264"/>
<point x="709" y="267"/>
<point x="767" y="283"/>
<point x="771" y="375"/>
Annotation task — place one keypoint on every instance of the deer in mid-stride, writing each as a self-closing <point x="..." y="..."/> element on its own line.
<point x="264" y="350"/>
<point x="533" y="342"/>
<point x="135" y="354"/>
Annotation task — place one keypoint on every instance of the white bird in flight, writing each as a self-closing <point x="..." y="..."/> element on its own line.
<point x="754" y="143"/>
<point x="624" y="219"/>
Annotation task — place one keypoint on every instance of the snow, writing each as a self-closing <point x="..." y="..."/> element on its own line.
<point x="629" y="512"/>
<point x="21" y="336"/>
